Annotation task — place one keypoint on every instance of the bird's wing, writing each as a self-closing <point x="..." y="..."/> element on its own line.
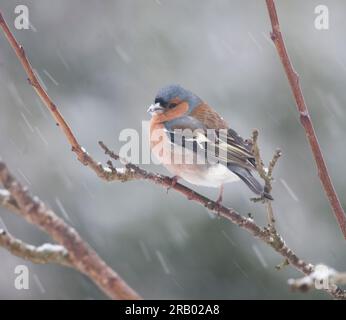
<point x="216" y="145"/>
<point x="208" y="116"/>
<point x="237" y="147"/>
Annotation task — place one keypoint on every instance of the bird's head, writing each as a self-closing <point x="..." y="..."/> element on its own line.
<point x="172" y="102"/>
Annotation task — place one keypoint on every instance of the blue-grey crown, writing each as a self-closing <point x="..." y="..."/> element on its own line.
<point x="170" y="92"/>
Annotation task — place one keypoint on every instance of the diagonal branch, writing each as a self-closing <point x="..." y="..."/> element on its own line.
<point x="46" y="253"/>
<point x="81" y="256"/>
<point x="82" y="155"/>
<point x="305" y="119"/>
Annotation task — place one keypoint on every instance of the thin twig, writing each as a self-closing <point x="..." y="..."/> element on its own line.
<point x="305" y="119"/>
<point x="259" y="163"/>
<point x="46" y="253"/>
<point x="271" y="166"/>
<point x="267" y="176"/>
<point x="81" y="256"/>
<point x="270" y="215"/>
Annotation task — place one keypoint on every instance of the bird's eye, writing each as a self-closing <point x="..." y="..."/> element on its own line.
<point x="172" y="105"/>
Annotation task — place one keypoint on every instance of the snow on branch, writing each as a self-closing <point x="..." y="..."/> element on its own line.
<point x="323" y="277"/>
<point x="46" y="253"/>
<point x="72" y="250"/>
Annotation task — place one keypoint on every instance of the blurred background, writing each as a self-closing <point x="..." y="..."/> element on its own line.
<point x="102" y="63"/>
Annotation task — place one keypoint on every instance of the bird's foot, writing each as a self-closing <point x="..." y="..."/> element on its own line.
<point x="219" y="200"/>
<point x="173" y="183"/>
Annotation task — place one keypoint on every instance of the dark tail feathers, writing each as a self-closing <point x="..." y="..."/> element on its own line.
<point x="250" y="181"/>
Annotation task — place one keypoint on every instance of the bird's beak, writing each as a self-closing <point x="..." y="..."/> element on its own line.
<point x="155" y="108"/>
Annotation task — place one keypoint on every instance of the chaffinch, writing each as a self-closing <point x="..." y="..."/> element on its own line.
<point x="195" y="143"/>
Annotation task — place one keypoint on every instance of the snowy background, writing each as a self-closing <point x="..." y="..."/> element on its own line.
<point x="102" y="63"/>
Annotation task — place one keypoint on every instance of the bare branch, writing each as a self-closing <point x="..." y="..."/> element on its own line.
<point x="305" y="119"/>
<point x="81" y="256"/>
<point x="46" y="253"/>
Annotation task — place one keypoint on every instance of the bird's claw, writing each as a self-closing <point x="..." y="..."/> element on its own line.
<point x="174" y="181"/>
